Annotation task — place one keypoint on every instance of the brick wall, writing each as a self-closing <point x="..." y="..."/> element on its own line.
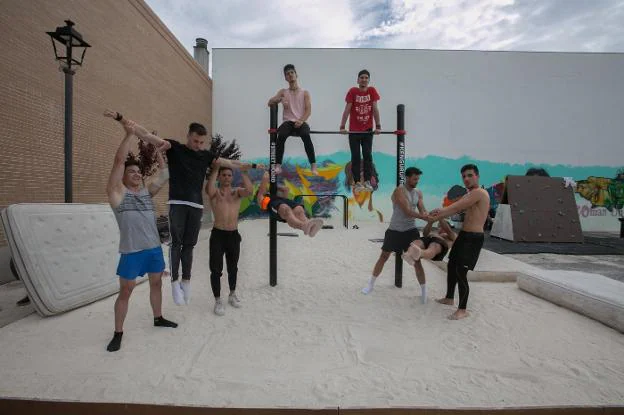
<point x="135" y="66"/>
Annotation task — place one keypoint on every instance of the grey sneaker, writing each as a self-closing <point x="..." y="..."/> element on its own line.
<point x="234" y="301"/>
<point x="368" y="186"/>
<point x="219" y="308"/>
<point x="358" y="187"/>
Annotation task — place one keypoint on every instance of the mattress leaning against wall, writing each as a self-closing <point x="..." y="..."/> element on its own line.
<point x="66" y="254"/>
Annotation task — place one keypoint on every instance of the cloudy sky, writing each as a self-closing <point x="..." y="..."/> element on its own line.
<point x="533" y="25"/>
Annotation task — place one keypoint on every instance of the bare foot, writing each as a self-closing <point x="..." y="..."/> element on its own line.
<point x="414" y="251"/>
<point x="316" y="225"/>
<point x="408" y="258"/>
<point x="458" y="315"/>
<point x="447" y="301"/>
<point x="314" y="170"/>
<point x="306" y="228"/>
<point x="278" y="169"/>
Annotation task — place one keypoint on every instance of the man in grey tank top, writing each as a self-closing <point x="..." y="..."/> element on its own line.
<point x="407" y="206"/>
<point x="139" y="241"/>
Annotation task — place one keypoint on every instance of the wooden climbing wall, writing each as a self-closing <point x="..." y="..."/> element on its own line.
<point x="542" y="209"/>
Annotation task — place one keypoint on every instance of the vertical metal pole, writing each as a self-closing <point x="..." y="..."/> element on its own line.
<point x="69" y="76"/>
<point x="345" y="205"/>
<point x="398" y="266"/>
<point x="273" y="193"/>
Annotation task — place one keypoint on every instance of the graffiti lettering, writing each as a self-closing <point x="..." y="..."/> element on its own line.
<point x="586" y="211"/>
<point x="273" y="158"/>
<point x="401" y="162"/>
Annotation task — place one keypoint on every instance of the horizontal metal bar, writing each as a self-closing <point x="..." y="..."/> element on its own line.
<point x="351" y="132"/>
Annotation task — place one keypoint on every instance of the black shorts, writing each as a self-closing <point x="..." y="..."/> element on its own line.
<point x="275" y="203"/>
<point x="466" y="249"/>
<point x="428" y="240"/>
<point x="397" y="241"/>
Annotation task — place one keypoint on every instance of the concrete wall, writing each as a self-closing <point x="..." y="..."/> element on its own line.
<point x="507" y="111"/>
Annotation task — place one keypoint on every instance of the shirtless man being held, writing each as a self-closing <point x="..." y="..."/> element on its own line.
<point x="434" y="245"/>
<point x="467" y="246"/>
<point x="224" y="238"/>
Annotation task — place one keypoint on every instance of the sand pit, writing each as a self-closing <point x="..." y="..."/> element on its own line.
<point x="314" y="341"/>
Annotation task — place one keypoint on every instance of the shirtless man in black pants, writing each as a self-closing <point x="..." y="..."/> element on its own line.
<point x="224" y="238"/>
<point x="467" y="246"/>
<point x="286" y="210"/>
<point x="434" y="245"/>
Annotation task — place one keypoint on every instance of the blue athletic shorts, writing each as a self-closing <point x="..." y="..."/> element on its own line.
<point x="139" y="263"/>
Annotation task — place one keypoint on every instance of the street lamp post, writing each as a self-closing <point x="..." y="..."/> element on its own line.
<point x="73" y="43"/>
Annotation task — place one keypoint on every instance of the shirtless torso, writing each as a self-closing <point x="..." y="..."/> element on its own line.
<point x="225" y="208"/>
<point x="477" y="212"/>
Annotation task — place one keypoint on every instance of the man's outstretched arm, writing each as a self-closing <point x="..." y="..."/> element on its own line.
<point x="211" y="186"/>
<point x="140" y="131"/>
<point x="161" y="178"/>
<point x="462" y="204"/>
<point x="247" y="188"/>
<point x="115" y="187"/>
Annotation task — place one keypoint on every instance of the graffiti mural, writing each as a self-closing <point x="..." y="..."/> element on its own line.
<point x="314" y="192"/>
<point x="597" y="188"/>
<point x="602" y="191"/>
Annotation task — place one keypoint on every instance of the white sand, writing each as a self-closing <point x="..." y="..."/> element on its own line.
<point x="316" y="341"/>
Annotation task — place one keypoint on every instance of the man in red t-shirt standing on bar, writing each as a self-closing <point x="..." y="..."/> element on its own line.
<point x="361" y="107"/>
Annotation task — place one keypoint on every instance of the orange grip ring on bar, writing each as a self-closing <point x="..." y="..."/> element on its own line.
<point x="264" y="205"/>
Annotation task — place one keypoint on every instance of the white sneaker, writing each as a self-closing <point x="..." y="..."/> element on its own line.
<point x="176" y="291"/>
<point x="368" y="186"/>
<point x="234" y="301"/>
<point x="368" y="289"/>
<point x="185" y="285"/>
<point x="358" y="187"/>
<point x="219" y="308"/>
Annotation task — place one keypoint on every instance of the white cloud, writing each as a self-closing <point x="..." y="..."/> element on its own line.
<point x="553" y="25"/>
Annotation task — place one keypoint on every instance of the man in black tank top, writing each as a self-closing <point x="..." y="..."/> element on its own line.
<point x="467" y="247"/>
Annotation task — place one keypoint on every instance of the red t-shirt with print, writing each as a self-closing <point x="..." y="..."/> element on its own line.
<point x="361" y="118"/>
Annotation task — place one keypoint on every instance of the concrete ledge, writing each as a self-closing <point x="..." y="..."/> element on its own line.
<point x="493" y="267"/>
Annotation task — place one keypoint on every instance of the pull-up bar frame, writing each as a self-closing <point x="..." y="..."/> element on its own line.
<point x="400" y="179"/>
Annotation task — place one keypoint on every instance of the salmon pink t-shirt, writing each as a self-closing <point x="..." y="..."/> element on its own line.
<point x="294" y="104"/>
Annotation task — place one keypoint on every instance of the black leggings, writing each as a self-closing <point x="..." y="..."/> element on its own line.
<point x="463" y="257"/>
<point x="286" y="130"/>
<point x="184" y="225"/>
<point x="223" y="243"/>
<point x="366" y="141"/>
